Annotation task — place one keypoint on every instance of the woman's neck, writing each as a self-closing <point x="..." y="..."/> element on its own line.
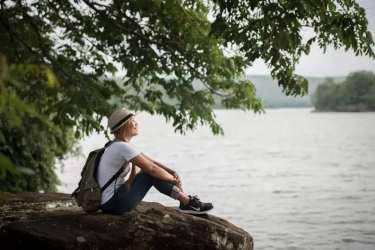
<point x="124" y="139"/>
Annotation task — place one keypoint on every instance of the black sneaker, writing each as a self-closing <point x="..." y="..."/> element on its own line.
<point x="195" y="206"/>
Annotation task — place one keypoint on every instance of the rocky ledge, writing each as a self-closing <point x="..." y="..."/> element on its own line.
<point x="53" y="221"/>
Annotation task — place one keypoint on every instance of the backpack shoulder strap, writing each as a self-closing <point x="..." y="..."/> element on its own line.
<point x="118" y="172"/>
<point x="113" y="178"/>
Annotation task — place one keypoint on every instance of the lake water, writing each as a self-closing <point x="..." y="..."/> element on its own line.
<point x="291" y="178"/>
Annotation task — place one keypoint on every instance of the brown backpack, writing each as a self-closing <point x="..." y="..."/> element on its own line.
<point x="88" y="194"/>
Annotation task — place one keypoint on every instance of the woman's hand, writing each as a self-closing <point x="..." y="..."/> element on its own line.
<point x="178" y="181"/>
<point x="175" y="175"/>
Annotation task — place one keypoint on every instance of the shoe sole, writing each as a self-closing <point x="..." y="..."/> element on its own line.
<point x="194" y="212"/>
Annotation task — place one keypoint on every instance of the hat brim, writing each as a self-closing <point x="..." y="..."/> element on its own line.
<point x="122" y="122"/>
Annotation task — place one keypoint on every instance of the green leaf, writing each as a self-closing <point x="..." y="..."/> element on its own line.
<point x="51" y="79"/>
<point x="27" y="171"/>
<point x="6" y="166"/>
<point x="369" y="36"/>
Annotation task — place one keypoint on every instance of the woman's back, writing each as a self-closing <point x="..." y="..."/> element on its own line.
<point x="112" y="160"/>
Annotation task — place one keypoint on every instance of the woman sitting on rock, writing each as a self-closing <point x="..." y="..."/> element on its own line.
<point x="123" y="196"/>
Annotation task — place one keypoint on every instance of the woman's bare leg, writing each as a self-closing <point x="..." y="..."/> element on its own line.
<point x="183" y="198"/>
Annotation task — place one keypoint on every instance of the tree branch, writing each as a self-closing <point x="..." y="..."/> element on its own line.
<point x="11" y="37"/>
<point x="145" y="38"/>
<point x="191" y="20"/>
<point x="74" y="29"/>
<point x="163" y="45"/>
<point x="203" y="77"/>
<point x="44" y="52"/>
<point x="16" y="36"/>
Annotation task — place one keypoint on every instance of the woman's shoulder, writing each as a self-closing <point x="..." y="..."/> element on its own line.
<point x="123" y="145"/>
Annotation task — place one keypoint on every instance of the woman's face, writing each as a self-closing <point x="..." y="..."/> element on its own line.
<point x="132" y="129"/>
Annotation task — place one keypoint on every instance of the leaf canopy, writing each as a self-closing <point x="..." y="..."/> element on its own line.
<point x="163" y="46"/>
<point x="58" y="59"/>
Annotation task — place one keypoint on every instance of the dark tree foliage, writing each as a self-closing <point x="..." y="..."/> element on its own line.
<point x="58" y="57"/>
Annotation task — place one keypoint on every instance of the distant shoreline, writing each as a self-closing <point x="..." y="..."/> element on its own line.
<point x="333" y="111"/>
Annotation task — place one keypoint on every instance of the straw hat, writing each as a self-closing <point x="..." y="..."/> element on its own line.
<point x="119" y="118"/>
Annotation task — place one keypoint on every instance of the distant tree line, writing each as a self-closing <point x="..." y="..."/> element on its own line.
<point x="355" y="94"/>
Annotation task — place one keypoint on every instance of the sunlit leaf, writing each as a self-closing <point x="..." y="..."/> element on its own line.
<point x="27" y="171"/>
<point x="51" y="79"/>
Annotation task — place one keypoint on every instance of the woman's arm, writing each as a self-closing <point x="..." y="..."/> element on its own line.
<point x="151" y="168"/>
<point x="172" y="172"/>
<point x="178" y="181"/>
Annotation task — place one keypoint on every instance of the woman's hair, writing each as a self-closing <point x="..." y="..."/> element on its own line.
<point x="121" y="135"/>
<point x="121" y="132"/>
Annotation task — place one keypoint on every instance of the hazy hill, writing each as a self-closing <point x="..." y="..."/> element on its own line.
<point x="271" y="93"/>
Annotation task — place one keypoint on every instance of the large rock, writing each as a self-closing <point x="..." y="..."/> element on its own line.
<point x="53" y="221"/>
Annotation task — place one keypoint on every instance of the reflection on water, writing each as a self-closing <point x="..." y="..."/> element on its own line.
<point x="291" y="178"/>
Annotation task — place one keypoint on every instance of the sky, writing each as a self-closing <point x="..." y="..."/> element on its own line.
<point x="333" y="62"/>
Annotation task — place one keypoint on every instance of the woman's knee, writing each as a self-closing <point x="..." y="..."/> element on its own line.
<point x="161" y="183"/>
<point x="167" y="188"/>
